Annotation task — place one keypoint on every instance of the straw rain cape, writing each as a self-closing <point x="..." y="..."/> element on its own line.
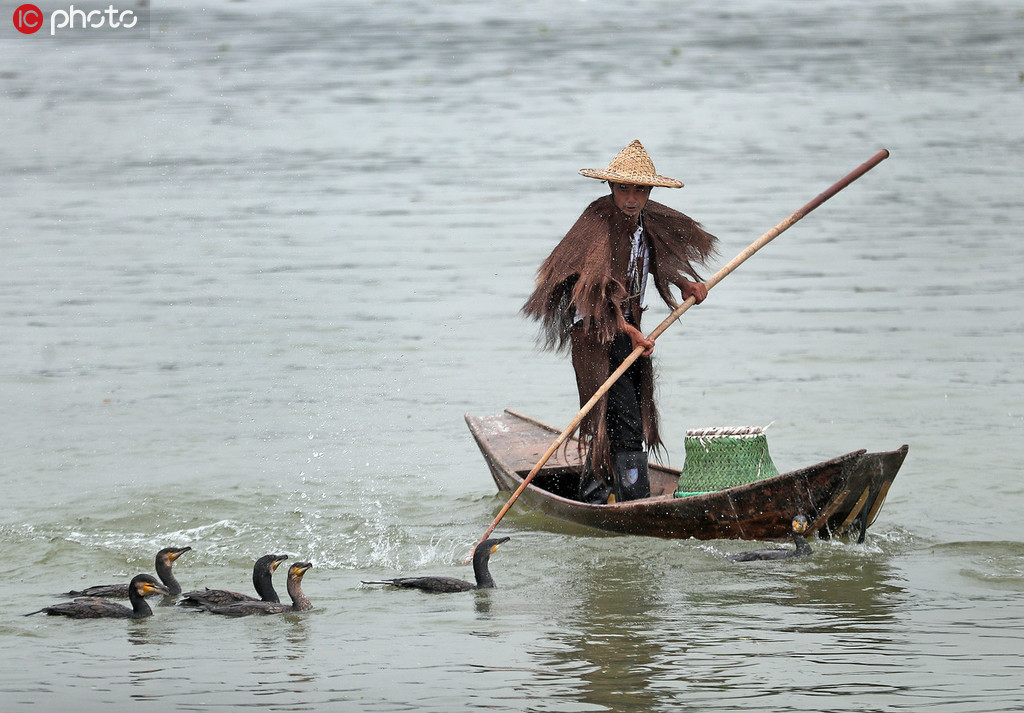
<point x="586" y="277"/>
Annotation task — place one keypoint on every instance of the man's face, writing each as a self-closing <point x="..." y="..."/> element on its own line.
<point x="629" y="198"/>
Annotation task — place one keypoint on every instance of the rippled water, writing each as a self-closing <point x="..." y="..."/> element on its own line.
<point x="256" y="269"/>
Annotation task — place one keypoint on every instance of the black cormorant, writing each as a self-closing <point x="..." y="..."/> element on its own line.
<point x="100" y="608"/>
<point x="262" y="582"/>
<point x="164" y="561"/>
<point x="300" y="602"/>
<point x="802" y="548"/>
<point x="481" y="555"/>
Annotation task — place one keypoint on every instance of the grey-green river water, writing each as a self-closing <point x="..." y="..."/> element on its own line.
<point x="257" y="267"/>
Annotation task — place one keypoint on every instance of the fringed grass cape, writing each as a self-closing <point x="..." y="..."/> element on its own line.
<point x="586" y="276"/>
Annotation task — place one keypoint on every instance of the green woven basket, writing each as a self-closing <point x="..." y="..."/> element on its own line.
<point x="720" y="458"/>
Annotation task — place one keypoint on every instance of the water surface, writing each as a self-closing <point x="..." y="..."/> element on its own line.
<point x="258" y="267"/>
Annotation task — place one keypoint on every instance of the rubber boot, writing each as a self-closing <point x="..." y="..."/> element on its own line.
<point x="592" y="490"/>
<point x="631" y="481"/>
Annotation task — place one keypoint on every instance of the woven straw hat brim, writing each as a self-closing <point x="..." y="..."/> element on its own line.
<point x="632" y="165"/>
<point x="604" y="174"/>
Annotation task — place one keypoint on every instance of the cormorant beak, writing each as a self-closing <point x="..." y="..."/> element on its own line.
<point x="148" y="588"/>
<point x="178" y="553"/>
<point x="277" y="562"/>
<point x="500" y="541"/>
<point x="302" y="567"/>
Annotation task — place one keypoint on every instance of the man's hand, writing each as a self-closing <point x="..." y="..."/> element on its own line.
<point x="697" y="290"/>
<point x="638" y="339"/>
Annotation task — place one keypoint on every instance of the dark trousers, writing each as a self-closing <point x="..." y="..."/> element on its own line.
<point x="625" y="426"/>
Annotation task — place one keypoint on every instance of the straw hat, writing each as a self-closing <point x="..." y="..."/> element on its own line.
<point x="632" y="165"/>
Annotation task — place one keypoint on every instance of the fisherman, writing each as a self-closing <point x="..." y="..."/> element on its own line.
<point x="589" y="297"/>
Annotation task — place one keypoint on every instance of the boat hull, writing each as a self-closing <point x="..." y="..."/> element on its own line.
<point x="841" y="496"/>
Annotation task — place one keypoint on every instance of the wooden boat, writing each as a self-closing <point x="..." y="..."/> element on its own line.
<point x="840" y="496"/>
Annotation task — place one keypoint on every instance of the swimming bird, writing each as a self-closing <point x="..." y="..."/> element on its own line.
<point x="300" y="602"/>
<point x="164" y="561"/>
<point x="802" y="548"/>
<point x="262" y="582"/>
<point x="139" y="588"/>
<point x="481" y="556"/>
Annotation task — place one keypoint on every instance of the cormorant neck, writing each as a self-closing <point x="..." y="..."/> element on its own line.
<point x="481" y="571"/>
<point x="166" y="575"/>
<point x="300" y="602"/>
<point x="263" y="583"/>
<point x="140" y="607"/>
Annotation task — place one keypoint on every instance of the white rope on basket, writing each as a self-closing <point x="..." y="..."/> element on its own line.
<point x="704" y="434"/>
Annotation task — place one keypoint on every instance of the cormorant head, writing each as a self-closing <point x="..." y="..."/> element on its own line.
<point x="146" y="584"/>
<point x="800" y="524"/>
<point x="172" y="553"/>
<point x="298" y="569"/>
<point x="490" y="546"/>
<point x="270" y="561"/>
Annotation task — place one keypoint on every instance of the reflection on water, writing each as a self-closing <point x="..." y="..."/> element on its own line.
<point x="143" y="633"/>
<point x="849" y="593"/>
<point x="289" y="640"/>
<point x="482" y="603"/>
<point x="708" y="630"/>
<point x="610" y="638"/>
